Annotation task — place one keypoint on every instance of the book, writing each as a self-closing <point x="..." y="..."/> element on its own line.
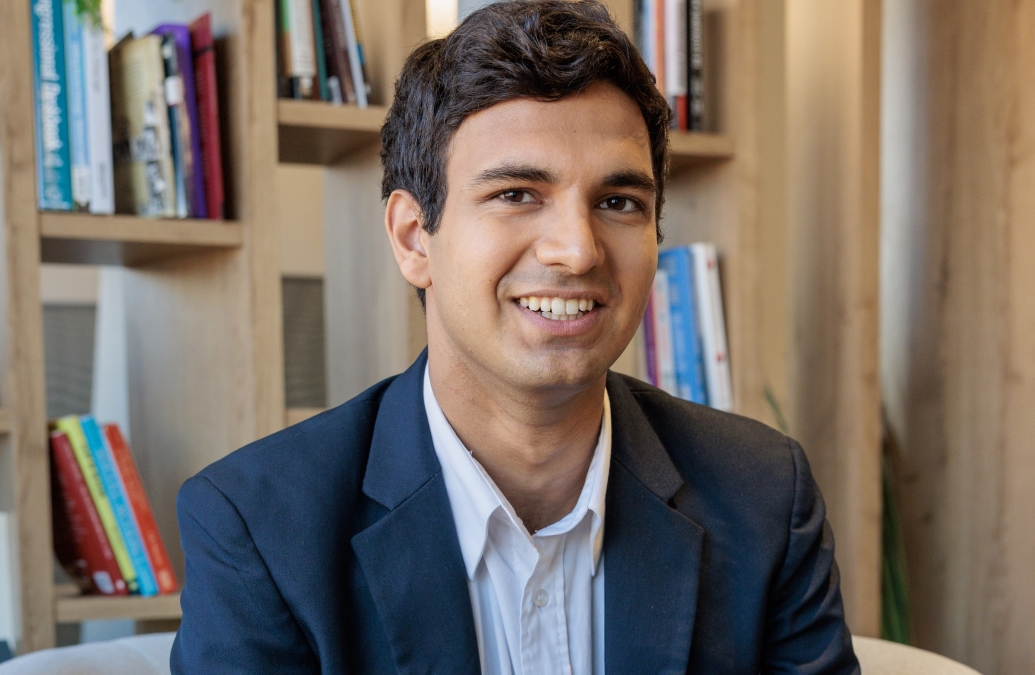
<point x="686" y="340"/>
<point x="662" y="310"/>
<point x="649" y="345"/>
<point x="73" y="430"/>
<point x="181" y="97"/>
<point x="127" y="468"/>
<point x="144" y="173"/>
<point x="53" y="156"/>
<point x="179" y="128"/>
<point x="80" y="543"/>
<point x="713" y="326"/>
<point x="695" y="66"/>
<point x="75" y="79"/>
<point x="98" y="116"/>
<point x="208" y="114"/>
<point x="322" y="90"/>
<point x="357" y="63"/>
<point x="114" y="488"/>
<point x="339" y="71"/>
<point x="297" y="48"/>
<point x="675" y="56"/>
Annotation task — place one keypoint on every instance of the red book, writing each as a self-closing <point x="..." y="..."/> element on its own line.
<point x="80" y="543"/>
<point x="208" y="113"/>
<point x="156" y="552"/>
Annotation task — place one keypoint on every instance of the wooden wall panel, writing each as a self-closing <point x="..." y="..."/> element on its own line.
<point x="960" y="318"/>
<point x="833" y="93"/>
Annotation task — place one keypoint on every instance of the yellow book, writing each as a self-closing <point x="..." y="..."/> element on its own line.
<point x="70" y="426"/>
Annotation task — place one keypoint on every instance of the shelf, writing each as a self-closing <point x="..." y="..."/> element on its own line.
<point x="129" y="240"/>
<point x="76" y="608"/>
<point x="690" y="148"/>
<point x="313" y="132"/>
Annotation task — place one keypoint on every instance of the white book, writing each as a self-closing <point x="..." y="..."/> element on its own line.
<point x="663" y="352"/>
<point x="302" y="58"/>
<point x="98" y="116"/>
<point x="675" y="48"/>
<point x="355" y="62"/>
<point x="713" y="326"/>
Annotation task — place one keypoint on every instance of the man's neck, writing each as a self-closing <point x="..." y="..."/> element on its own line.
<point x="537" y="447"/>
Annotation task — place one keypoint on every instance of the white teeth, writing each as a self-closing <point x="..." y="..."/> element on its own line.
<point x="557" y="306"/>
<point x="571" y="306"/>
<point x="533" y="304"/>
<point x="524" y="302"/>
<point x="582" y="304"/>
<point x="547" y="314"/>
<point x="544" y="303"/>
<point x="590" y="304"/>
<point x="558" y="309"/>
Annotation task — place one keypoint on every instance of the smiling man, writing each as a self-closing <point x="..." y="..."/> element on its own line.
<point x="507" y="505"/>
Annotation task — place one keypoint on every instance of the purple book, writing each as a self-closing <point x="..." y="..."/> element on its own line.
<point x="195" y="173"/>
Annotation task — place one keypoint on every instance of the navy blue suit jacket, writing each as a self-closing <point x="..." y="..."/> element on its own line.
<point x="329" y="547"/>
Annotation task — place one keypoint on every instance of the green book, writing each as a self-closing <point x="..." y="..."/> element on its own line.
<point x="70" y="425"/>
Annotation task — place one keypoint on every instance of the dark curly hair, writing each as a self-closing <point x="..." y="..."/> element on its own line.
<point x="541" y="49"/>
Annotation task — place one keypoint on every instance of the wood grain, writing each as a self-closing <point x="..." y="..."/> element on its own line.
<point x="21" y="332"/>
<point x="73" y="609"/>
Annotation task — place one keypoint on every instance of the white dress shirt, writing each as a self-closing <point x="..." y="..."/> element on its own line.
<point x="538" y="600"/>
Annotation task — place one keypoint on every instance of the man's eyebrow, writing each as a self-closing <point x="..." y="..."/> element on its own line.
<point x="513" y="172"/>
<point x="631" y="179"/>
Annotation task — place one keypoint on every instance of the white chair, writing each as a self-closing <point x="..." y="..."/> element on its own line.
<point x="149" y="655"/>
<point x="136" y="655"/>
<point x="879" y="657"/>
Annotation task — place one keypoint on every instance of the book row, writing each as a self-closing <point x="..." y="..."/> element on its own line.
<point x="133" y="129"/>
<point x="669" y="35"/>
<point x="105" y="536"/>
<point x="320" y="52"/>
<point x="684" y="328"/>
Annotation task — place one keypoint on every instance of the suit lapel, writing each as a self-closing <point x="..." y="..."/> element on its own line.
<point x="411" y="557"/>
<point x="652" y="553"/>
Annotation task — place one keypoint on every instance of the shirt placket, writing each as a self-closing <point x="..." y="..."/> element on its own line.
<point x="544" y="630"/>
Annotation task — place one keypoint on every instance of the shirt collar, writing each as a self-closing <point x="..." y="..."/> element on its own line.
<point x="474" y="497"/>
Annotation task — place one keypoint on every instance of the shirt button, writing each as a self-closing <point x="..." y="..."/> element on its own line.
<point x="541" y="598"/>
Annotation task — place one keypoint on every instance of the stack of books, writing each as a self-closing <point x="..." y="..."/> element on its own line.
<point x="684" y="328"/>
<point x="669" y="35"/>
<point x="134" y="130"/>
<point x="105" y="536"/>
<point x="320" y="52"/>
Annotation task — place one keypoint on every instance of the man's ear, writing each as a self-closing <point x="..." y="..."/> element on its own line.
<point x="403" y="222"/>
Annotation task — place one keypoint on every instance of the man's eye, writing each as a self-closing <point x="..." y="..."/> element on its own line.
<point x="516" y="196"/>
<point x="618" y="204"/>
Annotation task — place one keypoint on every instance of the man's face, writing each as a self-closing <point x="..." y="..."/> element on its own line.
<point x="545" y="200"/>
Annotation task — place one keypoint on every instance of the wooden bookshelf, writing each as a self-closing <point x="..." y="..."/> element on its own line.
<point x="129" y="240"/>
<point x="72" y="608"/>
<point x="313" y="132"/>
<point x="690" y="148"/>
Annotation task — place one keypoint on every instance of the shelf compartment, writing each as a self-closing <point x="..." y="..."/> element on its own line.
<point x="129" y="240"/>
<point x="76" y="608"/>
<point x="687" y="148"/>
<point x="313" y="132"/>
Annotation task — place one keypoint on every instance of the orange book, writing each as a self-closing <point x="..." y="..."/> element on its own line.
<point x="141" y="509"/>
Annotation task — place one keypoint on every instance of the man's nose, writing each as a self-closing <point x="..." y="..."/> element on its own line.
<point x="570" y="242"/>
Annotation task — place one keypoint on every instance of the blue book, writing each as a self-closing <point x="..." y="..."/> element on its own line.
<point x="686" y="333"/>
<point x="115" y="490"/>
<point x="53" y="158"/>
<point x="78" y="127"/>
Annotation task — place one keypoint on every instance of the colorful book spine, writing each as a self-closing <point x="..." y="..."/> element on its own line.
<point x="53" y="155"/>
<point x="298" y="57"/>
<point x="80" y="543"/>
<point x="354" y="41"/>
<point x="713" y="326"/>
<point x="650" y="347"/>
<point x="78" y="125"/>
<point x="686" y="340"/>
<point x="111" y="481"/>
<point x="179" y="127"/>
<point x="675" y="53"/>
<point x="73" y="430"/>
<point x="208" y="113"/>
<point x="98" y="115"/>
<point x="666" y="360"/>
<point x="322" y="90"/>
<point x="695" y="65"/>
<point x="145" y="519"/>
<point x="337" y="51"/>
<point x="189" y="138"/>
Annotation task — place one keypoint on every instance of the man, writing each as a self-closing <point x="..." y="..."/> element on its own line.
<point x="506" y="505"/>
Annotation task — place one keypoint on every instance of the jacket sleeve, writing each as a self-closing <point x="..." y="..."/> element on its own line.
<point x="806" y="632"/>
<point x="234" y="618"/>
